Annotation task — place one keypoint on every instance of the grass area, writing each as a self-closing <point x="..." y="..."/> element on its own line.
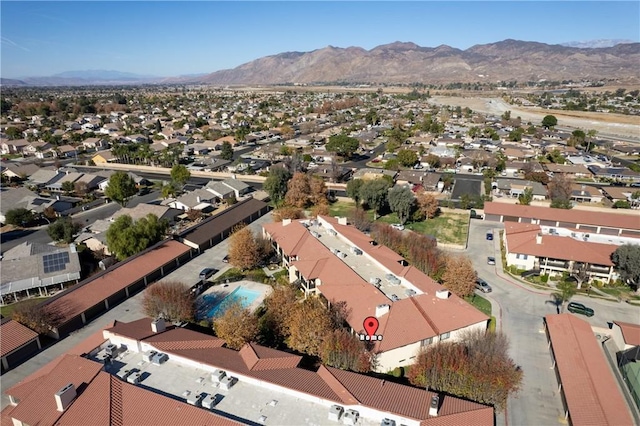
<point x="235" y="274"/>
<point x="482" y="304"/>
<point x="447" y="228"/>
<point x="7" y="310"/>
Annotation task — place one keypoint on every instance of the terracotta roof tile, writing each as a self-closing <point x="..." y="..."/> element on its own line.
<point x="14" y="335"/>
<point x="181" y="338"/>
<point x="138" y="329"/>
<point x="630" y="332"/>
<point x="591" y="392"/>
<point x="85" y="295"/>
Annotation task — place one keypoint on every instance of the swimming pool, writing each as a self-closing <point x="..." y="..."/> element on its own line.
<point x="213" y="306"/>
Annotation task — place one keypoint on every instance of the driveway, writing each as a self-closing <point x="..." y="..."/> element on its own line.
<point x="521" y="310"/>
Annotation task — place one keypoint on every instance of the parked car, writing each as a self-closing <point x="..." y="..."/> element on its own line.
<point x="206" y="273"/>
<point x="579" y="308"/>
<point x="491" y="260"/>
<point x="398" y="226"/>
<point x="483" y="286"/>
<point x="490" y="236"/>
<point x="226" y="259"/>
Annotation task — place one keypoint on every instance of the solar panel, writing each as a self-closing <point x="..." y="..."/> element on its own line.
<point x="55" y="262"/>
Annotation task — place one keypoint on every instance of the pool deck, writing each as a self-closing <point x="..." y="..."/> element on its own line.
<point x="223" y="290"/>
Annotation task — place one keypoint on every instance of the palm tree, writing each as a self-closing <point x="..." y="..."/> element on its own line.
<point x="566" y="290"/>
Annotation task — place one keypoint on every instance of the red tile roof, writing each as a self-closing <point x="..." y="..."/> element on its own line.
<point x="586" y="217"/>
<point x="591" y="392"/>
<point x="14" y="335"/>
<point x="521" y="239"/>
<point x="630" y="332"/>
<point x="408" y="321"/>
<point x="85" y="295"/>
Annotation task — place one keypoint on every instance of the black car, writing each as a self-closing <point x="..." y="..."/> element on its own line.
<point x="206" y="273"/>
<point x="490" y="236"/>
<point x="483" y="286"/>
<point x="579" y="308"/>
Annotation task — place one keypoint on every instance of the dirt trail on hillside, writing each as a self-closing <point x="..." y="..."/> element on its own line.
<point x="627" y="126"/>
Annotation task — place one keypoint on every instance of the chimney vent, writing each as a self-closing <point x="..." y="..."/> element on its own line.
<point x="286" y="222"/>
<point x="65" y="396"/>
<point x="382" y="310"/>
<point x="342" y="220"/>
<point x="539" y="239"/>
<point x="442" y="294"/>
<point x="158" y="325"/>
<point x="435" y="406"/>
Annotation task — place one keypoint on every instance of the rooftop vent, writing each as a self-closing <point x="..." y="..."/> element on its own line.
<point x="158" y="325"/>
<point x="388" y="422"/>
<point x="286" y="222"/>
<point x="434" y="407"/>
<point x="65" y="396"/>
<point x="538" y="238"/>
<point x="335" y="412"/>
<point x="342" y="220"/>
<point x="382" y="310"/>
<point x="442" y="294"/>
<point x="350" y="417"/>
<point x="217" y="376"/>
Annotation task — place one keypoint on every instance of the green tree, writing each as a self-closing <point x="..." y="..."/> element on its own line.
<point x="226" y="152"/>
<point x="526" y="197"/>
<point x="556" y="157"/>
<point x="276" y="184"/>
<point x="342" y="145"/>
<point x="578" y="137"/>
<point x="372" y="118"/>
<point x="626" y="259"/>
<point x="353" y="190"/>
<point x="121" y="188"/>
<point x="375" y="193"/>
<point x="566" y="290"/>
<point x="67" y="187"/>
<point x="407" y="157"/>
<point x="180" y="174"/>
<point x="63" y="229"/>
<point x="402" y="202"/>
<point x="19" y="217"/>
<point x="549" y="121"/>
<point x="126" y="237"/>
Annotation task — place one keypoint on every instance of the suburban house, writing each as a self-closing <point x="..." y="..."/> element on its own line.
<point x="200" y="199"/>
<point x="13" y="146"/>
<point x="617" y="173"/>
<point x="622" y="193"/>
<point x="93" y="144"/>
<point x="586" y="194"/>
<point x="516" y="187"/>
<point x="329" y="258"/>
<point x="553" y="250"/>
<point x="228" y="188"/>
<point x="569" y="170"/>
<point x="196" y="380"/>
<point x="103" y="157"/>
<point x="142" y="210"/>
<point x="19" y="171"/>
<point x="417" y="178"/>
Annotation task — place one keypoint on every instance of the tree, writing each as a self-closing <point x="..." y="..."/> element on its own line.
<point x="342" y="145"/>
<point x="374" y="193"/>
<point x="279" y="305"/>
<point x="19" y="217"/>
<point x="287" y="212"/>
<point x="307" y="326"/>
<point x="180" y="174"/>
<point x="298" y="190"/>
<point x="318" y="194"/>
<point x="121" y="188"/>
<point x="170" y="300"/>
<point x="126" y="237"/>
<point x="81" y="188"/>
<point x="427" y="204"/>
<point x="401" y="201"/>
<point x="626" y="259"/>
<point x="407" y="157"/>
<point x="63" y="229"/>
<point x="344" y="350"/>
<point x="549" y="121"/>
<point x="169" y="190"/>
<point x="353" y="190"/>
<point x="566" y="290"/>
<point x="226" y="153"/>
<point x="560" y="191"/>
<point x="360" y="220"/>
<point x="460" y="277"/>
<point x="236" y="325"/>
<point x="433" y="160"/>
<point x="526" y="197"/>
<point x="68" y="187"/>
<point x="477" y="367"/>
<point x="243" y="249"/>
<point x="276" y="184"/>
<point x="578" y="137"/>
<point x="556" y="157"/>
<point x="39" y="318"/>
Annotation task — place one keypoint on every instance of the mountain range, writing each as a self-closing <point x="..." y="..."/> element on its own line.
<point x="399" y="62"/>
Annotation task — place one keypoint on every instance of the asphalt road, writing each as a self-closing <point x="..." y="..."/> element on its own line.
<point x="521" y="310"/>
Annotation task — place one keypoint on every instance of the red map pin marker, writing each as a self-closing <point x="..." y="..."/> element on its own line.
<point x="371" y="325"/>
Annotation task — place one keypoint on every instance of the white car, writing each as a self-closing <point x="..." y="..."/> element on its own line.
<point x="398" y="226"/>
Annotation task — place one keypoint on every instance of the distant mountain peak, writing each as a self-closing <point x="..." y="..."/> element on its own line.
<point x="600" y="43"/>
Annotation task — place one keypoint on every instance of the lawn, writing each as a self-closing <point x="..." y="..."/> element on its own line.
<point x="447" y="228"/>
<point x="482" y="304"/>
<point x="7" y="310"/>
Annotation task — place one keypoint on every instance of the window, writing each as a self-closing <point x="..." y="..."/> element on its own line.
<point x="426" y="342"/>
<point x="445" y="336"/>
<point x="524" y="256"/>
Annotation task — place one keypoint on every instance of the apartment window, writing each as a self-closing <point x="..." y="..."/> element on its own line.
<point x="426" y="342"/>
<point x="524" y="256"/>
<point x="445" y="336"/>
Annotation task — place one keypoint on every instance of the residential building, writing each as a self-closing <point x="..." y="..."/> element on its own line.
<point x="585" y="194"/>
<point x="228" y="188"/>
<point x="200" y="199"/>
<point x="516" y="187"/>
<point x="103" y="157"/>
<point x="327" y="257"/>
<point x="617" y="173"/>
<point x="17" y="344"/>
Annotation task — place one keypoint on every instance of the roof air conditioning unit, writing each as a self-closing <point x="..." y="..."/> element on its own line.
<point x="335" y="412"/>
<point x="228" y="382"/>
<point x="158" y="325"/>
<point x="388" y="422"/>
<point x="350" y="417"/>
<point x="196" y="399"/>
<point x="148" y="356"/>
<point x="217" y="376"/>
<point x="134" y="378"/>
<point x="442" y="294"/>
<point x="211" y="401"/>
<point x="111" y="349"/>
<point x="434" y="407"/>
<point x="382" y="310"/>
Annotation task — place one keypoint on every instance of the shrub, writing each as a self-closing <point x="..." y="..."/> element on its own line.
<point x="398" y="372"/>
<point x="544" y="278"/>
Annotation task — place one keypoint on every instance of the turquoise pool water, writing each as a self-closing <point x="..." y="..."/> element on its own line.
<point x="213" y="306"/>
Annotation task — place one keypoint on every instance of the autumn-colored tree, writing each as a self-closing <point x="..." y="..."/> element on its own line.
<point x="236" y="325"/>
<point x="279" y="305"/>
<point x="459" y="275"/>
<point x="265" y="249"/>
<point x="344" y="350"/>
<point x="81" y="188"/>
<point x="49" y="212"/>
<point x="307" y="325"/>
<point x="243" y="249"/>
<point x="194" y="215"/>
<point x="318" y="194"/>
<point x="360" y="220"/>
<point x="287" y="212"/>
<point x="560" y="191"/>
<point x="477" y="367"/>
<point x="170" y="299"/>
<point x="427" y="204"/>
<point x="321" y="209"/>
<point x="298" y="190"/>
<point x="37" y="317"/>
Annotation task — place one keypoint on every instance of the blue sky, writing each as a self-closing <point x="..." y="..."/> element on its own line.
<point x="176" y="38"/>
